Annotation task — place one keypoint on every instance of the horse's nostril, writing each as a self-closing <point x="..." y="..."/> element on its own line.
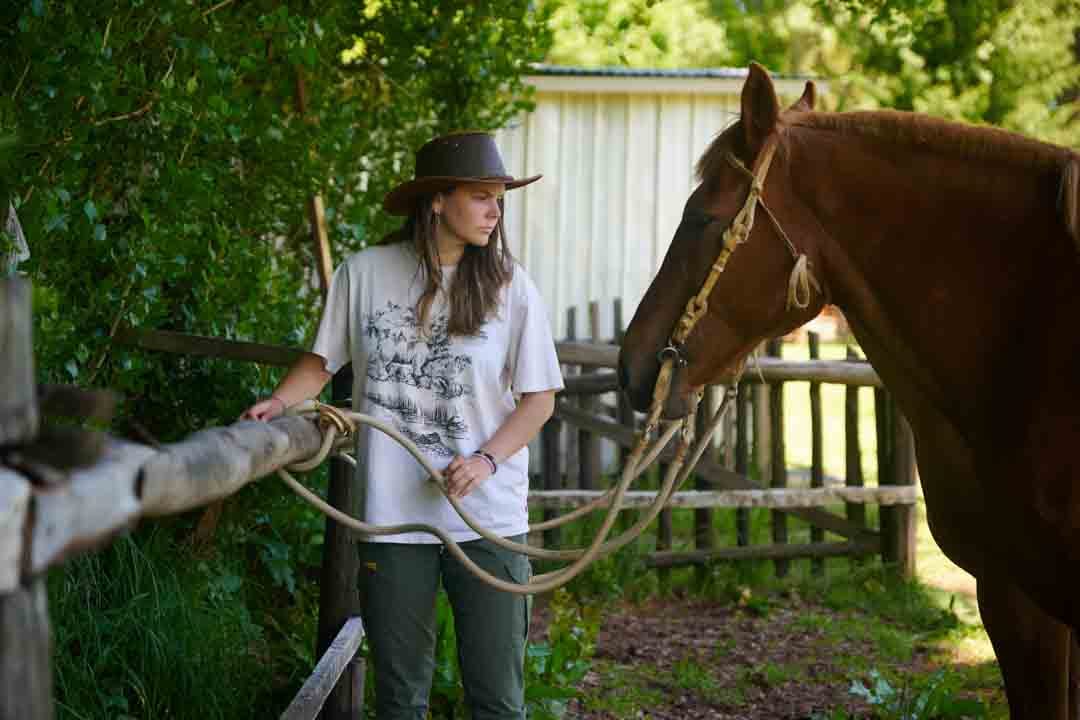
<point x="624" y="376"/>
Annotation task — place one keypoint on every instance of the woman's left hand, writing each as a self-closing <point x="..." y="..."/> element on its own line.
<point x="463" y="474"/>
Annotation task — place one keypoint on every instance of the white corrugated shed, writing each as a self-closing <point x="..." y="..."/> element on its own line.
<point x="617" y="149"/>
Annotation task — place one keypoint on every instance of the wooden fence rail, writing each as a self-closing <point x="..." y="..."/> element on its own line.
<point x="50" y="511"/>
<point x="754" y="441"/>
<point x="339" y="657"/>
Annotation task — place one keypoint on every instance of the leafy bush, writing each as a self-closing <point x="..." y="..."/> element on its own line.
<point x="932" y="698"/>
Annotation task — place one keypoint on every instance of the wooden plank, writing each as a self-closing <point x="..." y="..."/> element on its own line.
<point x="775" y="498"/>
<point x="778" y="460"/>
<point x="14" y="507"/>
<point x="215" y="463"/>
<point x="817" y="469"/>
<point x="185" y="344"/>
<point x="720" y="477"/>
<point x="338" y="596"/>
<point x="25" y="662"/>
<point x="18" y="390"/>
<point x="838" y="372"/>
<point x="590" y="383"/>
<point x="313" y="693"/>
<point x="94" y="505"/>
<point x="841" y="372"/>
<point x="571" y="352"/>
<point x="761" y="552"/>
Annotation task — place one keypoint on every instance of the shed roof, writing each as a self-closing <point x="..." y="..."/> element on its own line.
<point x="717" y="80"/>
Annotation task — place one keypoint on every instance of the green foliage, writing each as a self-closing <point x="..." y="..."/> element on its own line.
<point x="934" y="698"/>
<point x="137" y="637"/>
<point x="555" y="669"/>
<point x="1011" y="63"/>
<point x="169" y="150"/>
<point x="636" y="33"/>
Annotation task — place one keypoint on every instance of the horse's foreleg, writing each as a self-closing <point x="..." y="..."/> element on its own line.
<point x="1033" y="651"/>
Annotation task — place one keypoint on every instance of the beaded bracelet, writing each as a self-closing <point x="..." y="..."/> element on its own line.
<point x="490" y="460"/>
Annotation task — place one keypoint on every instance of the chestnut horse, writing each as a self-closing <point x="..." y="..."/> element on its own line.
<point x="952" y="251"/>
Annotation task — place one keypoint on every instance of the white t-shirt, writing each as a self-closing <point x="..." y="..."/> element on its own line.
<point x="448" y="394"/>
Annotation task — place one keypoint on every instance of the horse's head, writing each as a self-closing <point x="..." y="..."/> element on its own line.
<point x="750" y="300"/>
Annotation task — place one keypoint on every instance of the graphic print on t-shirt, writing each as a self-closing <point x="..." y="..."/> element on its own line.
<point x="415" y="377"/>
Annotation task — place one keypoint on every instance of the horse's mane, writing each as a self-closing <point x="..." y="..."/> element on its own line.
<point x="912" y="130"/>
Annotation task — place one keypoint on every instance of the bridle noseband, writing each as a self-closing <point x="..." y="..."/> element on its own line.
<point x="799" y="285"/>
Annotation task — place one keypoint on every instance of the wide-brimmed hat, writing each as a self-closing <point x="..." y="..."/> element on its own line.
<point x="451" y="160"/>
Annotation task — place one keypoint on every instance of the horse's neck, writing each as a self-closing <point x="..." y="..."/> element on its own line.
<point x="922" y="258"/>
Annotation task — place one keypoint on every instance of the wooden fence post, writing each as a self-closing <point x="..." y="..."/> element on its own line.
<point x="898" y="528"/>
<point x="703" y="517"/>
<point x="25" y="642"/>
<point x="624" y="414"/>
<point x="338" y="599"/>
<point x="588" y="442"/>
<point x="853" y="475"/>
<point x="572" y="469"/>
<point x="817" y="470"/>
<point x="743" y="413"/>
<point x="778" y="459"/>
<point x="551" y="468"/>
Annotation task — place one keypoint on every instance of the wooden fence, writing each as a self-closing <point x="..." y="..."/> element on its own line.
<point x="590" y="413"/>
<point x="66" y="490"/>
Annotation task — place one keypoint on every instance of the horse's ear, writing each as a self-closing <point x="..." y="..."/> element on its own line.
<point x="1069" y="202"/>
<point x="806" y="102"/>
<point x="760" y="108"/>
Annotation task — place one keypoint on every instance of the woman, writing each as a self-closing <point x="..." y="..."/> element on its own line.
<point x="443" y="329"/>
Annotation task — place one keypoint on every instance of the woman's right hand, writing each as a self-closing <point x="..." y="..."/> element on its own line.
<point x="267" y="409"/>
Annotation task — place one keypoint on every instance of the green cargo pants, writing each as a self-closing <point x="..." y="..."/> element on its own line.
<point x="398" y="585"/>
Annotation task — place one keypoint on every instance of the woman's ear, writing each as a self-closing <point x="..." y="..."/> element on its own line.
<point x="437" y="203"/>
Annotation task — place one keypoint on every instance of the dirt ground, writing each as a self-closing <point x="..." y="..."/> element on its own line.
<point x="749" y="667"/>
<point x="679" y="658"/>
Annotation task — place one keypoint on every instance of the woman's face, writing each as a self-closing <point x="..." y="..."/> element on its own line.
<point x="469" y="214"/>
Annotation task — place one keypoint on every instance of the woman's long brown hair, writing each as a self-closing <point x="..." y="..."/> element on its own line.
<point x="481" y="273"/>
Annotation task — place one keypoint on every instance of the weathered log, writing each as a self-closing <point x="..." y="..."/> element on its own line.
<point x="25" y="654"/>
<point x="14" y="506"/>
<point x="762" y="552"/>
<point x="777" y="499"/>
<point x="312" y="695"/>
<point x="90" y="509"/>
<point x="212" y="464"/>
<point x="18" y="401"/>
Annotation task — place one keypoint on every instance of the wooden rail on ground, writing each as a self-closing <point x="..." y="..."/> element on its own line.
<point x="339" y="657"/>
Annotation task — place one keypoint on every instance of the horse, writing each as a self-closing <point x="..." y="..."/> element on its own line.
<point x="952" y="251"/>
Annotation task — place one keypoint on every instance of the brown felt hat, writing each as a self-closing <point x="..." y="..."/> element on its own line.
<point x="451" y="160"/>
